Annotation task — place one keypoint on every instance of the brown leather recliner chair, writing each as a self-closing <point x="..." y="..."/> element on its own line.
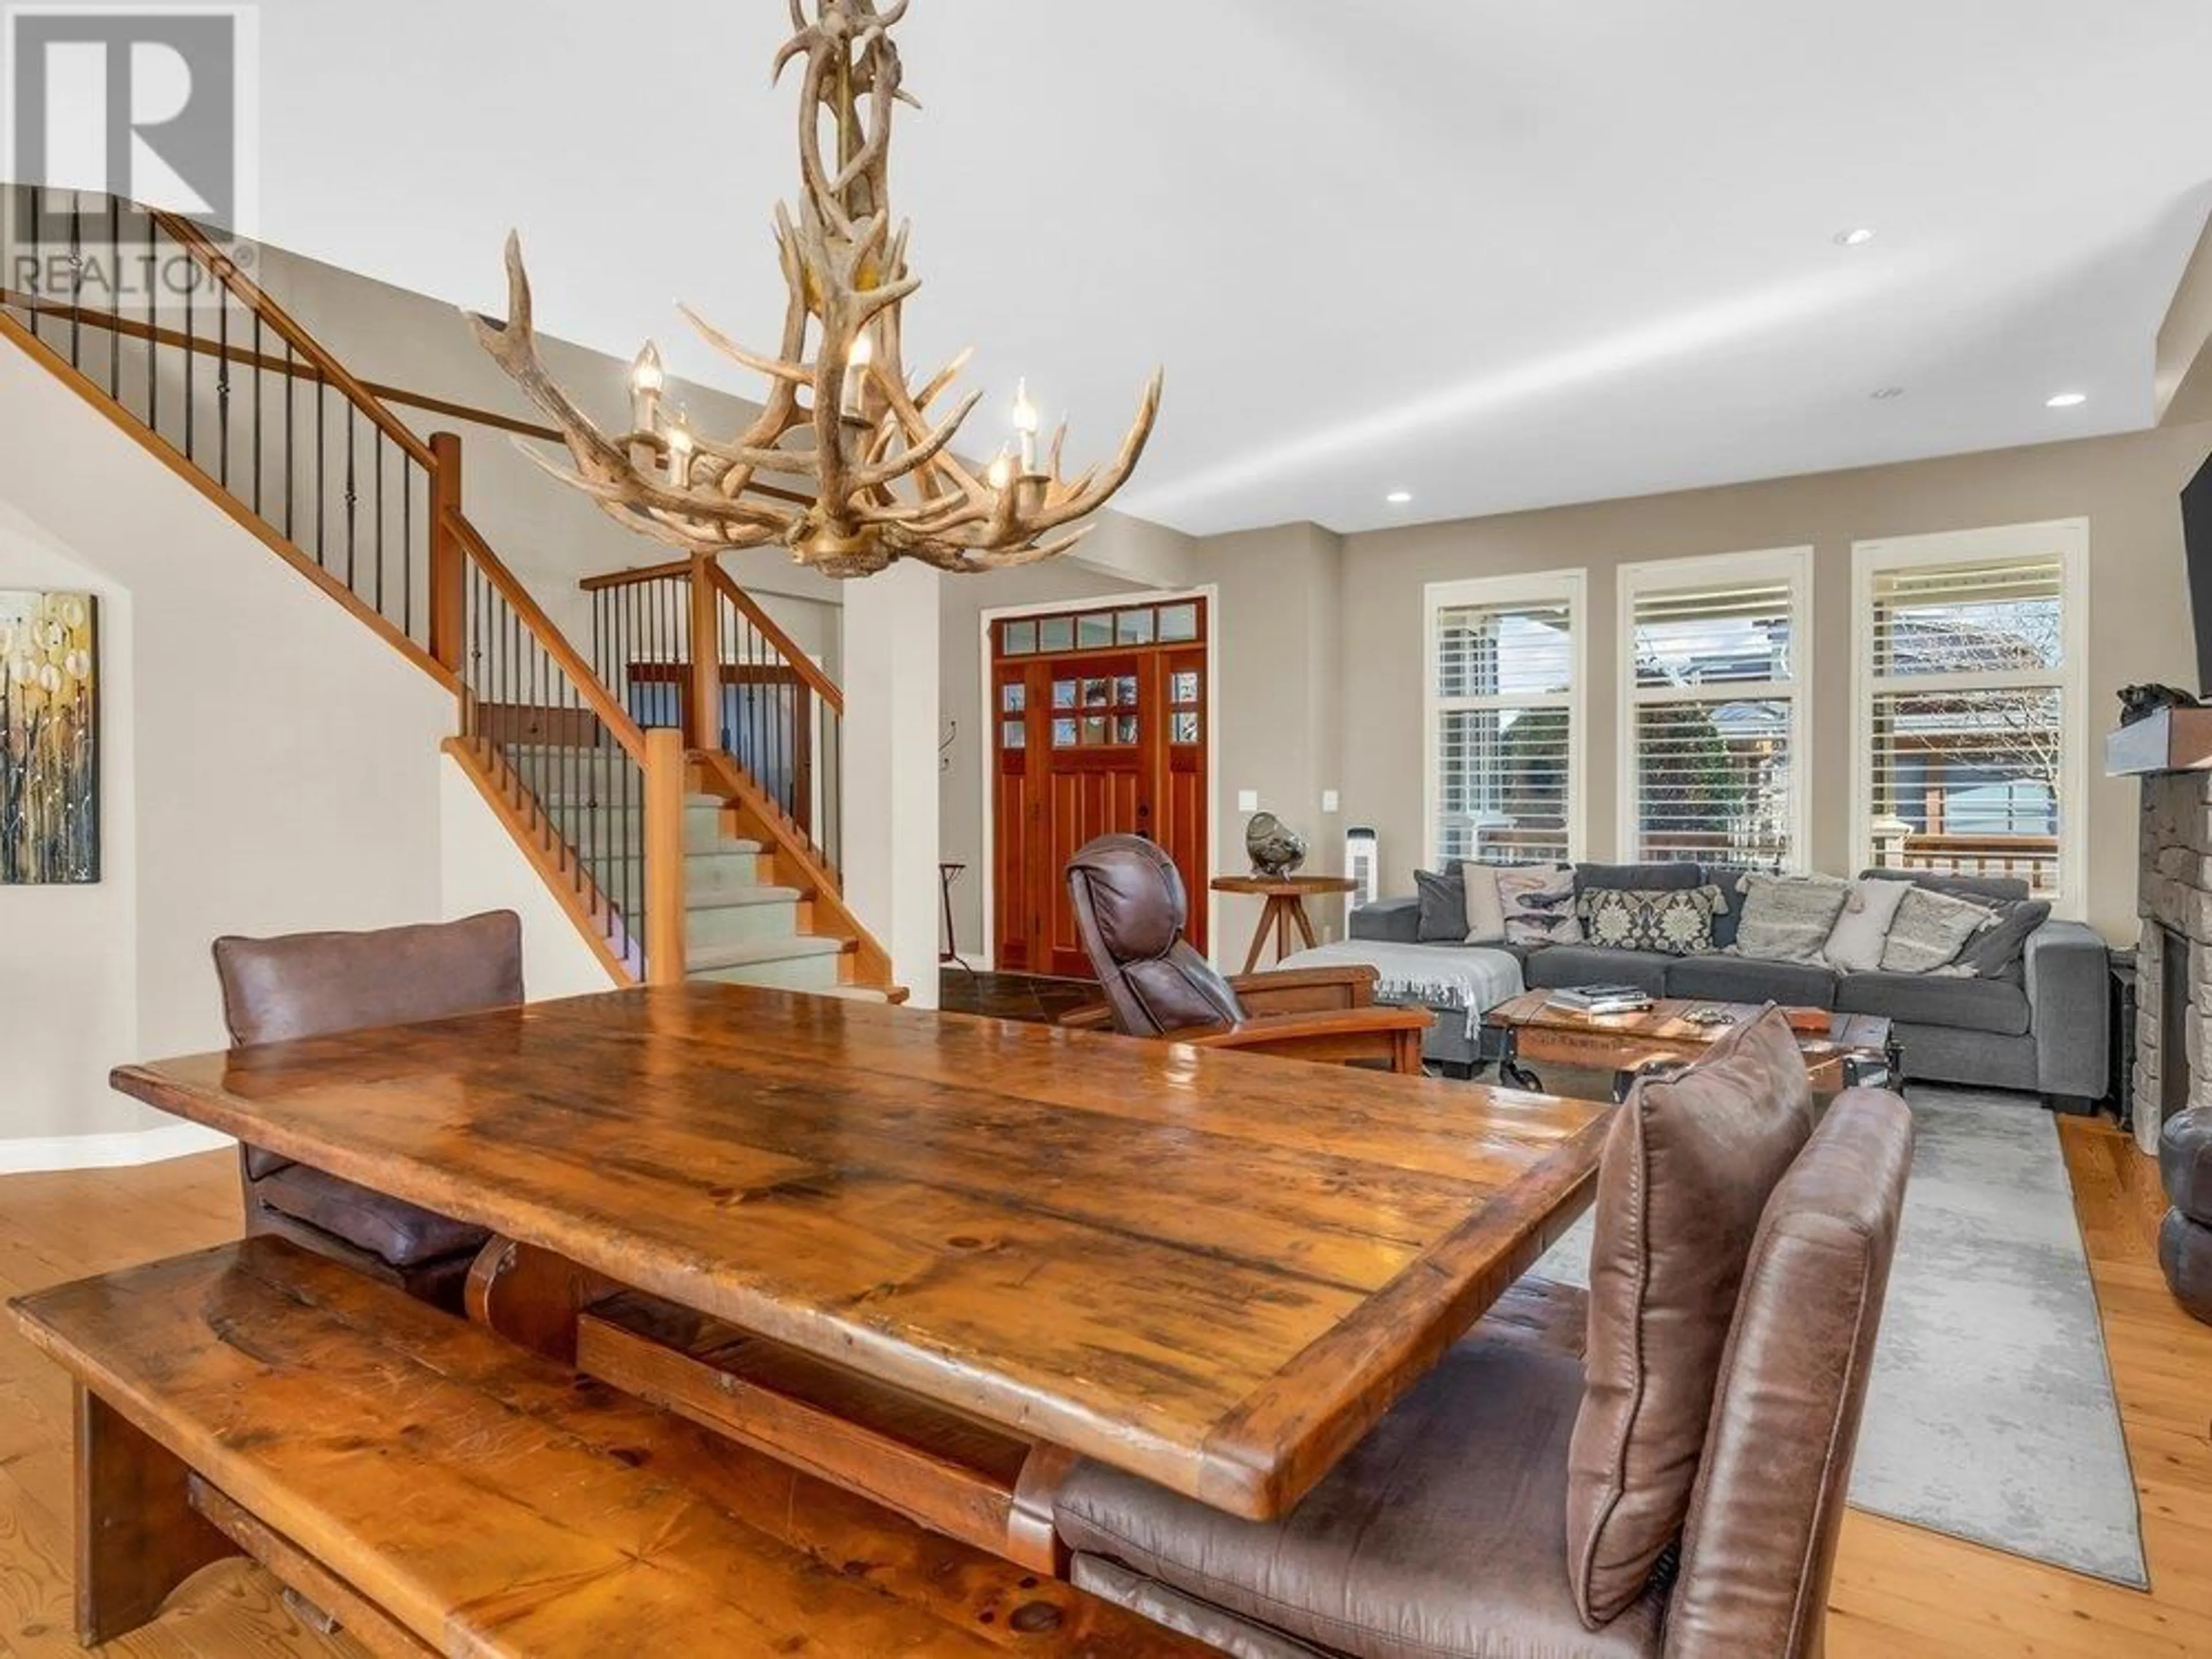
<point x="307" y="985"/>
<point x="1130" y="909"/>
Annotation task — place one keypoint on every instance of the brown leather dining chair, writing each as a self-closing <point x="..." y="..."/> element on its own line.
<point x="1677" y="1494"/>
<point x="1130" y="908"/>
<point x="307" y="985"/>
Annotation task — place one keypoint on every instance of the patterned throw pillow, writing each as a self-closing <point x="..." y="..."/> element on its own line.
<point x="1930" y="930"/>
<point x="1676" y="923"/>
<point x="1539" y="905"/>
<point x="1788" y="918"/>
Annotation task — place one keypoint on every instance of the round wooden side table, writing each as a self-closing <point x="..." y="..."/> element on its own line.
<point x="1286" y="897"/>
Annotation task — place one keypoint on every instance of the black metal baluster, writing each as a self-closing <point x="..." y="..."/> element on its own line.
<point x="222" y="385"/>
<point x="378" y="442"/>
<point x="291" y="430"/>
<point x="36" y="298"/>
<point x="191" y="381"/>
<point x="322" y="499"/>
<point x="407" y="545"/>
<point x="258" y="378"/>
<point x="115" y="297"/>
<point x="76" y="282"/>
<point x="353" y="446"/>
<point x="152" y="321"/>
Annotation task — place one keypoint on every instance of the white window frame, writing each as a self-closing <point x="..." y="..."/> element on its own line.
<point x="1793" y="565"/>
<point x="2070" y="540"/>
<point x="1569" y="588"/>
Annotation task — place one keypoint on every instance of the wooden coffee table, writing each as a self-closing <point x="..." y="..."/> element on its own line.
<point x="1842" y="1051"/>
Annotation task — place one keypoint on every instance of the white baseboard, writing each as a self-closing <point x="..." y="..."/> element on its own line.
<point x="56" y="1153"/>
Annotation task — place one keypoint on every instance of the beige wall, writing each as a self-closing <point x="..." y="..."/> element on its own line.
<point x="271" y="765"/>
<point x="1278" y="713"/>
<point x="2139" y="630"/>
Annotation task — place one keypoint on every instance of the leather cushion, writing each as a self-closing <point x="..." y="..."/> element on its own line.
<point x="2185" y="1253"/>
<point x="1556" y="965"/>
<point x="2185" y="1164"/>
<point x="1688" y="1169"/>
<point x="1748" y="979"/>
<point x="388" y="1227"/>
<point x="1136" y="894"/>
<point x="306" y="985"/>
<point x="1442" y="1532"/>
<point x="1966" y="1004"/>
<point x="1760" y="1546"/>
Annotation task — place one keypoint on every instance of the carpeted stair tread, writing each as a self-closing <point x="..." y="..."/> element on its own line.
<point x="754" y="951"/>
<point x="732" y="898"/>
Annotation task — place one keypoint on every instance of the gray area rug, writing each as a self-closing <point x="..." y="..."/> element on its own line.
<point x="1990" y="1416"/>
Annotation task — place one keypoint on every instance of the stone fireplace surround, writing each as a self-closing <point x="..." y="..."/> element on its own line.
<point x="2172" y="1071"/>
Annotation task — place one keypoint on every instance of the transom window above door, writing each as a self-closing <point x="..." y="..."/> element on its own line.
<point x="1175" y="623"/>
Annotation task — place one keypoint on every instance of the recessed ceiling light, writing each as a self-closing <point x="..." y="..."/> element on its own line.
<point x="1399" y="497"/>
<point x="1858" y="237"/>
<point x="1883" y="394"/>
<point x="2067" y="400"/>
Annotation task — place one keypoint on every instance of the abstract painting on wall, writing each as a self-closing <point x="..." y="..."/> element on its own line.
<point x="49" y="739"/>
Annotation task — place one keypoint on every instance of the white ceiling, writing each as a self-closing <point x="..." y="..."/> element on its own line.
<point x="1500" y="255"/>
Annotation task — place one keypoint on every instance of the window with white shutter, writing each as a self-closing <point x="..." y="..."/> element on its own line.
<point x="1504" y="737"/>
<point x="1715" y="703"/>
<point x="1969" y="703"/>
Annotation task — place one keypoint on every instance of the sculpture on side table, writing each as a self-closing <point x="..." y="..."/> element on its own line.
<point x="1275" y="848"/>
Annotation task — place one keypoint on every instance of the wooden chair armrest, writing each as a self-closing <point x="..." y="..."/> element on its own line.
<point x="1391" y="1036"/>
<point x="1097" y="1017"/>
<point x="1298" y="989"/>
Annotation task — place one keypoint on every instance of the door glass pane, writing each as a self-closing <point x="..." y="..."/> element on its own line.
<point x="1056" y="633"/>
<point x="1063" y="734"/>
<point x="1133" y="626"/>
<point x="1021" y="638"/>
<point x="1182" y="688"/>
<point x="1063" y="694"/>
<point x="1094" y="730"/>
<point x="1125" y="728"/>
<point x="1093" y="631"/>
<point x="1184" y="729"/>
<point x="1098" y="693"/>
<point x="1125" y="692"/>
<point x="1013" y="699"/>
<point x="1014" y="734"/>
<point x="1178" y="623"/>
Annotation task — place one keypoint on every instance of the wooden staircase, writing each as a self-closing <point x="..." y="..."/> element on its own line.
<point x="676" y="852"/>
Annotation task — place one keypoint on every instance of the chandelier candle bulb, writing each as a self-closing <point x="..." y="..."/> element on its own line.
<point x="856" y="374"/>
<point x="1025" y="426"/>
<point x="679" y="455"/>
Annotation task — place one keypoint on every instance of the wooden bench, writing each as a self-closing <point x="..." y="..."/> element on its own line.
<point x="436" y="1489"/>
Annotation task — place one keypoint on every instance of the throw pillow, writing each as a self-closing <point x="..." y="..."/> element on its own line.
<point x="1999" y="952"/>
<point x="1688" y="1165"/>
<point x="1486" y="912"/>
<point x="1788" y="918"/>
<point x="1854" y="943"/>
<point x="1679" y="923"/>
<point x="1443" y="907"/>
<point x="1539" y="905"/>
<point x="1930" y="930"/>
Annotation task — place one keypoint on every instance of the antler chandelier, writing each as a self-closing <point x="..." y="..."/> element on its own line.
<point x="845" y="466"/>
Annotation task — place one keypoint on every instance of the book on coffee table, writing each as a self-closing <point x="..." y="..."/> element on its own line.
<point x="1601" y="999"/>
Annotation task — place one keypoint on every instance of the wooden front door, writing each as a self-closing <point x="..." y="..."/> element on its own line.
<point x="1101" y="729"/>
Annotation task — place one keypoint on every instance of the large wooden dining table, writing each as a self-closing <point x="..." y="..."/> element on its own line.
<point x="1213" y="1270"/>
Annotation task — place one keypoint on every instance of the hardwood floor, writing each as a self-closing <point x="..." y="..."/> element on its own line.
<point x="1899" y="1592"/>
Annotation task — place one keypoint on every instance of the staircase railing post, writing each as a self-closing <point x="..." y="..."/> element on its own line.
<point x="663" y="829"/>
<point x="705" y="697"/>
<point x="448" y="561"/>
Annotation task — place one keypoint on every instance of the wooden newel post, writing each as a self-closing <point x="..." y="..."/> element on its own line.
<point x="448" y="564"/>
<point x="704" y="702"/>
<point x="665" y="763"/>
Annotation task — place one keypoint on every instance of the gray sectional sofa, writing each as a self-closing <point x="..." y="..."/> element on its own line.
<point x="2045" y="1030"/>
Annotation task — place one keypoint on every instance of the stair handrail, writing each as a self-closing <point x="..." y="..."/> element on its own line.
<point x="204" y="252"/>
<point x="801" y="664"/>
